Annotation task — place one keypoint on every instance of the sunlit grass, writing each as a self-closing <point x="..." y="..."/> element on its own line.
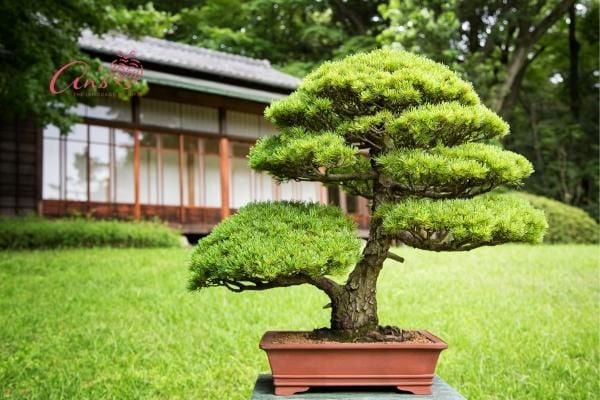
<point x="521" y="322"/>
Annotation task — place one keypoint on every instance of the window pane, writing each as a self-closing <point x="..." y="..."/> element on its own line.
<point x="267" y="128"/>
<point x="51" y="171"/>
<point x="212" y="182"/>
<point x="264" y="187"/>
<point x="148" y="176"/>
<point x="240" y="183"/>
<point x="76" y="171"/>
<point x="99" y="172"/>
<point x="286" y="191"/>
<point x="308" y="191"/>
<point x="333" y="195"/>
<point x="211" y="146"/>
<point x="243" y="124"/>
<point x="191" y="179"/>
<point x="170" y="177"/>
<point x="110" y="108"/>
<point x="201" y="119"/>
<point x="190" y="143"/>
<point x="124" y="138"/>
<point x="99" y="134"/>
<point x="148" y="139"/>
<point x="169" y="141"/>
<point x="78" y="133"/>
<point x="123" y="175"/>
<point x="240" y="150"/>
<point x="160" y="113"/>
<point x="51" y="131"/>
<point x="351" y="204"/>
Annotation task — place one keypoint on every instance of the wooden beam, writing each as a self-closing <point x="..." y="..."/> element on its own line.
<point x="224" y="165"/>
<point x="136" y="175"/>
<point x="181" y="209"/>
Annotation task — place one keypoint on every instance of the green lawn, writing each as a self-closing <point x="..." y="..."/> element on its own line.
<point x="522" y="322"/>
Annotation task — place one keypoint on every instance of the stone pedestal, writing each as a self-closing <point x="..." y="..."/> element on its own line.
<point x="263" y="390"/>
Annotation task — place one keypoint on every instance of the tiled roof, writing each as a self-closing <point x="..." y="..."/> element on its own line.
<point x="191" y="58"/>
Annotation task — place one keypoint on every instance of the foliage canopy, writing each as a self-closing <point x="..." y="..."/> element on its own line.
<point x="396" y="128"/>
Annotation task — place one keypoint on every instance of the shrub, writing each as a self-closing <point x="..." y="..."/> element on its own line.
<point x="41" y="233"/>
<point x="567" y="224"/>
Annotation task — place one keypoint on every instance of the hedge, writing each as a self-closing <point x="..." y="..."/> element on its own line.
<point x="40" y="233"/>
<point x="567" y="224"/>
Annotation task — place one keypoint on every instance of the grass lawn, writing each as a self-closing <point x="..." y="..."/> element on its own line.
<point x="522" y="322"/>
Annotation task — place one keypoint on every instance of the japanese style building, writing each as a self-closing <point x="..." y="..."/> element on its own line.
<point x="179" y="153"/>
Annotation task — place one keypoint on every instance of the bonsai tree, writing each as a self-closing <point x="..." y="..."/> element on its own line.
<point x="398" y="129"/>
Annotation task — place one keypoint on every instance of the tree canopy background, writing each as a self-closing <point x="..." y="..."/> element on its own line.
<point x="533" y="61"/>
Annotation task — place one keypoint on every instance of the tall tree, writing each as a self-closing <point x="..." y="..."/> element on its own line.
<point x="556" y="115"/>
<point x="295" y="35"/>
<point x="503" y="34"/>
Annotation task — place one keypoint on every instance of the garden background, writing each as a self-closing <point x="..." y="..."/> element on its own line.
<point x="522" y="321"/>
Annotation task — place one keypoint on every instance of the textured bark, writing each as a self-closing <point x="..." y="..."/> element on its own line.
<point x="354" y="309"/>
<point x="354" y="306"/>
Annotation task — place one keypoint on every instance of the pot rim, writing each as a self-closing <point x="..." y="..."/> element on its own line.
<point x="266" y="343"/>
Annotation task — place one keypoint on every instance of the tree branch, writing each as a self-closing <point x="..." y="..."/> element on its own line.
<point x="253" y="284"/>
<point x="327" y="285"/>
<point x="462" y="191"/>
<point x="345" y="177"/>
<point x="323" y="283"/>
<point x="546" y="23"/>
<point x="395" y="257"/>
<point x="436" y="241"/>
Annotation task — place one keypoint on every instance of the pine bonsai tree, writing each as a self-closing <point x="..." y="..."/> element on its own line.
<point x="398" y="129"/>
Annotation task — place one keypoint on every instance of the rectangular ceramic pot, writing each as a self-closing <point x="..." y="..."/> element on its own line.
<point x="298" y="366"/>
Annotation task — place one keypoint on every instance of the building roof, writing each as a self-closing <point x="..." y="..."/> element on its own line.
<point x="192" y="58"/>
<point x="212" y="87"/>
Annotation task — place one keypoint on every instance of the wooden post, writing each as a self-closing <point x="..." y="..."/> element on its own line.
<point x="323" y="194"/>
<point x="136" y="175"/>
<point x="224" y="169"/>
<point x="181" y="209"/>
<point x="224" y="165"/>
<point x="88" y="167"/>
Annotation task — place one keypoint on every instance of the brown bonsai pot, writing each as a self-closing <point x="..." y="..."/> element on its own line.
<point x="298" y="366"/>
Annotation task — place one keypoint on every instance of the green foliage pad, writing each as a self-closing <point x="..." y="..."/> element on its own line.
<point x="463" y="224"/>
<point x="264" y="242"/>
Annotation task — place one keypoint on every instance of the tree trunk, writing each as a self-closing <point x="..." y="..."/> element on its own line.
<point x="527" y="38"/>
<point x="514" y="75"/>
<point x="573" y="63"/>
<point x="354" y="307"/>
